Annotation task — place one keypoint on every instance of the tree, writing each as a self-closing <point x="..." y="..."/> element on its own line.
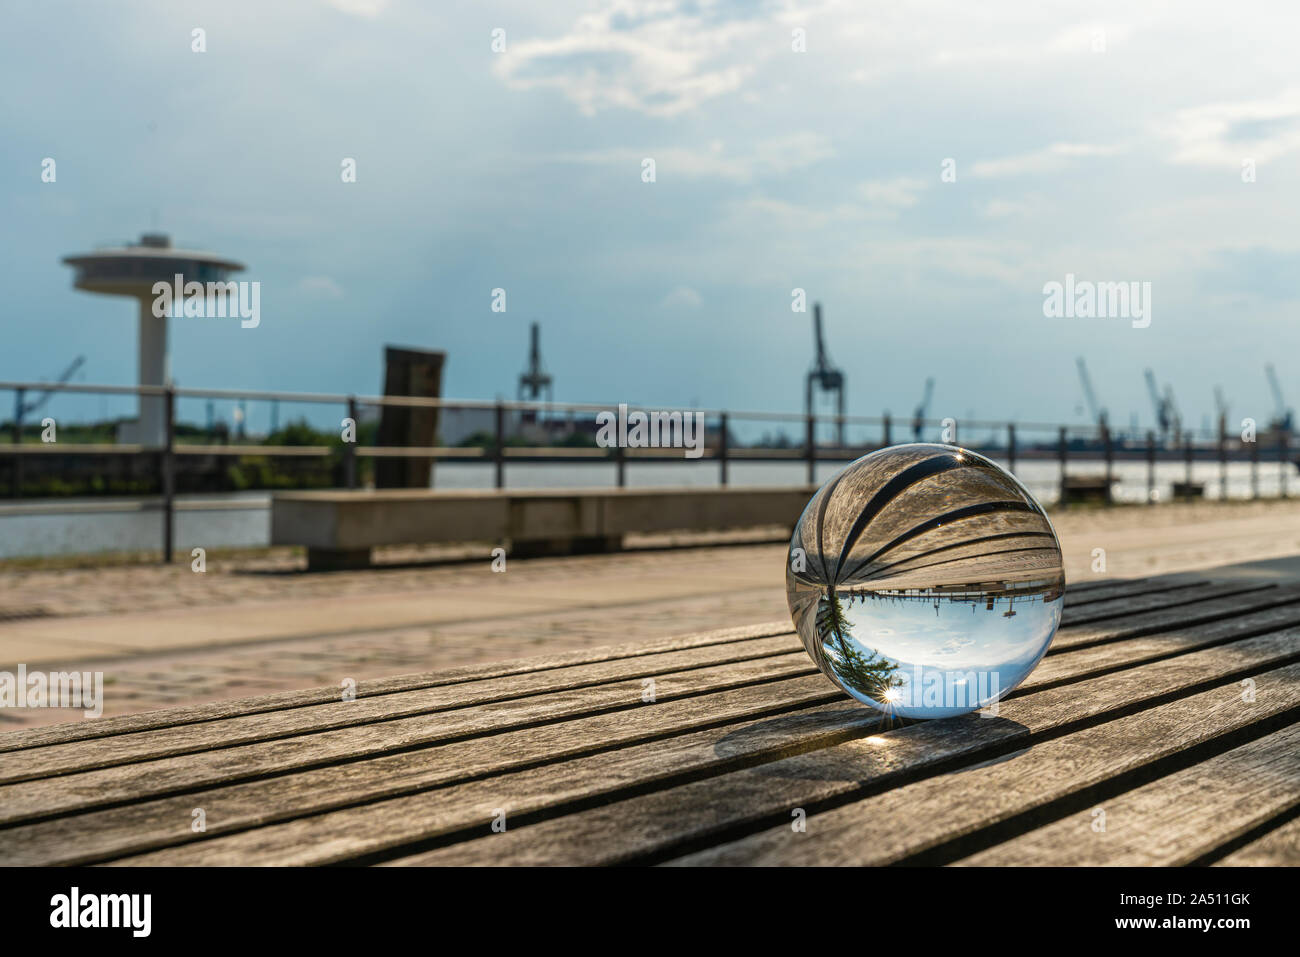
<point x="868" y="674"/>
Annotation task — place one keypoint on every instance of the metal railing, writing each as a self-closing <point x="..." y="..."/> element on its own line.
<point x="1005" y="440"/>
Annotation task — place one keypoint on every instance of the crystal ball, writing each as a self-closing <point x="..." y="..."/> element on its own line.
<point x="925" y="581"/>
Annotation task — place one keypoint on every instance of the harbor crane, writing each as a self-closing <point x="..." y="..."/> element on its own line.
<point x="1221" y="408"/>
<point x="1175" y="417"/>
<point x="1159" y="403"/>
<point x="534" y="381"/>
<point x="22" y="408"/>
<point x="1098" y="413"/>
<point x="918" y="418"/>
<point x="825" y="377"/>
<point x="1283" y="417"/>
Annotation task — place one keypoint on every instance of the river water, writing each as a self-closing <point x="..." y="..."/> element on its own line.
<point x="78" y="526"/>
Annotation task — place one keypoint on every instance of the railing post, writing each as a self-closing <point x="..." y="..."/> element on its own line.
<point x="1109" y="451"/>
<point x="1187" y="466"/>
<point x="499" y="452"/>
<point x="812" y="449"/>
<point x="722" y="449"/>
<point x="1011" y="447"/>
<point x="1282" y="463"/>
<point x="350" y="448"/>
<point x="1223" y="458"/>
<point x="169" y="472"/>
<point x="20" y="397"/>
<point x="1254" y="468"/>
<point x="1063" y="451"/>
<point x="1151" y="468"/>
<point x="620" y="465"/>
<point x="888" y="439"/>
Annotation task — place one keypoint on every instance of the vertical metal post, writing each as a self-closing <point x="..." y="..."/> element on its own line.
<point x="1151" y="468"/>
<point x="350" y="448"/>
<point x="1063" y="451"/>
<point x="20" y="400"/>
<point x="1011" y="447"/>
<point x="1282" y="463"/>
<point x="169" y="472"/>
<point x="1254" y="468"/>
<point x="812" y="449"/>
<point x="1109" y="451"/>
<point x="499" y="451"/>
<point x="722" y="449"/>
<point x="1187" y="466"/>
<point x="888" y="438"/>
<point x="620" y="465"/>
<point x="1223" y="458"/>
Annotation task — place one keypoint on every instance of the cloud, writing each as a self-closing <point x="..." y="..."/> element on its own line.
<point x="776" y="156"/>
<point x="897" y="193"/>
<point x="369" y="9"/>
<point x="1003" y="209"/>
<point x="1224" y="134"/>
<point x="683" y="297"/>
<point x="1089" y="38"/>
<point x="657" y="58"/>
<point x="1041" y="161"/>
<point x="320" y="287"/>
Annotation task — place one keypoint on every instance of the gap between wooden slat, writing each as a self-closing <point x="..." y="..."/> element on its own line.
<point x="388" y="820"/>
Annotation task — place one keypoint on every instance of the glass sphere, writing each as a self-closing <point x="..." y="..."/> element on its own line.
<point x="925" y="581"/>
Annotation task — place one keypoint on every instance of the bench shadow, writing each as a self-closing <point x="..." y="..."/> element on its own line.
<point x="783" y="740"/>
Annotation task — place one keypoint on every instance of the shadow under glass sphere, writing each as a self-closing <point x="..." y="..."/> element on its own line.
<point x="925" y="581"/>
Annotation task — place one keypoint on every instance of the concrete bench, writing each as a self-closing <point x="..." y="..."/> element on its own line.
<point x="1086" y="488"/>
<point x="339" y="528"/>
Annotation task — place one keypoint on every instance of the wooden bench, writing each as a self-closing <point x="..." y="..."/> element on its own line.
<point x="340" y="528"/>
<point x="1163" y="727"/>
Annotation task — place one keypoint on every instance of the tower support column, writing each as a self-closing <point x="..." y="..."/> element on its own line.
<point x="152" y="426"/>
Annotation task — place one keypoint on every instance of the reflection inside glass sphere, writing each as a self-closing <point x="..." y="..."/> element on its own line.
<point x="925" y="581"/>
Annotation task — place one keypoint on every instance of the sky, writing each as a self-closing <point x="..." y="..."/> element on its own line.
<point x="1106" y="140"/>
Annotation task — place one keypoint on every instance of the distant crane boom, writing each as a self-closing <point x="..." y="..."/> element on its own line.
<point x="1098" y="413"/>
<point x="1159" y="403"/>
<point x="1279" y="404"/>
<point x="918" y="419"/>
<point x="1284" y="419"/>
<point x="824" y="376"/>
<point x="44" y="397"/>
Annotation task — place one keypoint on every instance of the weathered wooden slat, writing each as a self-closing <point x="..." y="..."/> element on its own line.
<point x="651" y="825"/>
<point x="1280" y="847"/>
<point x="458" y="759"/>
<point x="1174" y="821"/>
<point x="1151" y="622"/>
<point x="1129" y="605"/>
<point x="261" y="704"/>
<point x="192" y="738"/>
<point x="551" y="788"/>
<point x="949" y="812"/>
<point x="1080" y="594"/>
<point x="1068" y="664"/>
<point x="374" y="726"/>
<point x="106" y="835"/>
<point x="591" y="688"/>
